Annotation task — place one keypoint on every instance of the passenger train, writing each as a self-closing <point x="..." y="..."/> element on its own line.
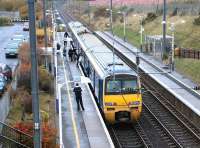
<point x="115" y="85"/>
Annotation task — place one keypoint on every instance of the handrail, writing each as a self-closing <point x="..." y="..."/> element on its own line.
<point x="15" y="129"/>
<point x="10" y="143"/>
<point x="15" y="135"/>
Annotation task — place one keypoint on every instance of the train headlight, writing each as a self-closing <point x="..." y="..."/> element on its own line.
<point x="110" y="103"/>
<point x="134" y="103"/>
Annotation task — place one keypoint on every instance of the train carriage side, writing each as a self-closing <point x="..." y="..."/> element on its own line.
<point x="123" y="103"/>
<point x="89" y="69"/>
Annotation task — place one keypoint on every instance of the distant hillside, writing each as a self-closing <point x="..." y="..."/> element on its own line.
<point x="128" y="2"/>
<point x="138" y="2"/>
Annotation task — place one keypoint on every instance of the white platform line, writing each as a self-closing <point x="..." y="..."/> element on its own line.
<point x="99" y="114"/>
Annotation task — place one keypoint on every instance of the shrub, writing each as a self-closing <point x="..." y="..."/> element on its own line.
<point x="45" y="80"/>
<point x="165" y="56"/>
<point x="197" y="21"/>
<point x="4" y="21"/>
<point x="24" y="11"/>
<point x="11" y="5"/>
<point x="48" y="133"/>
<point x="174" y="12"/>
<point x="24" y="70"/>
<point x="150" y="17"/>
<point x="101" y="12"/>
<point x="24" y="76"/>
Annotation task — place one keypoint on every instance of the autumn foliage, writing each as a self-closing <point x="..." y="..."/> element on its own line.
<point x="48" y="133"/>
<point x="24" y="71"/>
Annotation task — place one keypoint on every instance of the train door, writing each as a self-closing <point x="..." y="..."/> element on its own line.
<point x="100" y="93"/>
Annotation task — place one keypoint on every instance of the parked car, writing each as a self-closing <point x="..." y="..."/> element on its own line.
<point x="2" y="84"/>
<point x="26" y="26"/>
<point x="18" y="42"/>
<point x="19" y="37"/>
<point x="11" y="50"/>
<point x="6" y="71"/>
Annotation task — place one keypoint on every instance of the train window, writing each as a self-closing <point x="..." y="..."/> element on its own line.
<point x="129" y="86"/>
<point x="121" y="86"/>
<point x="113" y="86"/>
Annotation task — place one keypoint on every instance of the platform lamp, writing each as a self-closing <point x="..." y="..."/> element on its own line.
<point x="172" y="28"/>
<point x="124" y="20"/>
<point x="45" y="32"/>
<point x="111" y="30"/>
<point x="141" y="32"/>
<point x="34" y="75"/>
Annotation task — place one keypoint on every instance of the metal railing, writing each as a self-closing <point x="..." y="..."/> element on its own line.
<point x="11" y="136"/>
<point x="6" y="142"/>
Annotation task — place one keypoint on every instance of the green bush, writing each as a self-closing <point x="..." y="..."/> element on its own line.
<point x="165" y="56"/>
<point x="150" y="17"/>
<point x="197" y="21"/>
<point x="11" y="5"/>
<point x="45" y="80"/>
<point x="101" y="12"/>
<point x="4" y="21"/>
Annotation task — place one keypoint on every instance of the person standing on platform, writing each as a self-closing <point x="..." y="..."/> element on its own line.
<point x="58" y="46"/>
<point x="64" y="52"/>
<point x="70" y="54"/>
<point x="65" y="41"/>
<point x="78" y="93"/>
<point x="74" y="55"/>
<point x="66" y="34"/>
<point x="78" y="58"/>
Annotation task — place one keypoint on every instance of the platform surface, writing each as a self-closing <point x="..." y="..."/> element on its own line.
<point x="89" y="129"/>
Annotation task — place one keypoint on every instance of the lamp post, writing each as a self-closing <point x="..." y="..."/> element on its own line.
<point x="89" y="17"/>
<point x="45" y="30"/>
<point x="164" y="28"/>
<point x="124" y="19"/>
<point x="172" y="50"/>
<point x="111" y="17"/>
<point x="141" y="32"/>
<point x="34" y="74"/>
<point x="111" y="30"/>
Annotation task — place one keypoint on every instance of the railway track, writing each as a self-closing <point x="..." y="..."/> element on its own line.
<point x="178" y="130"/>
<point x="129" y="136"/>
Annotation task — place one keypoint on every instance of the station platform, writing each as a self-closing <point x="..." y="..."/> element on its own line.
<point x="175" y="83"/>
<point x="80" y="129"/>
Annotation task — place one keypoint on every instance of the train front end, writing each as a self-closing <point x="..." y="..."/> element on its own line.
<point x="122" y="98"/>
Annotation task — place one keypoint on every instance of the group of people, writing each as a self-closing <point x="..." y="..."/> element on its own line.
<point x="72" y="52"/>
<point x="73" y="55"/>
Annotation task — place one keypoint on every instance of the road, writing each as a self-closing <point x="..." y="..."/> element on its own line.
<point x="5" y="34"/>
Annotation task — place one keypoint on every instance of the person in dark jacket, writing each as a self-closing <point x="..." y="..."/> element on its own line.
<point x="78" y="93"/>
<point x="64" y="52"/>
<point x="74" y="55"/>
<point x="66" y="34"/>
<point x="70" y="54"/>
<point x="58" y="46"/>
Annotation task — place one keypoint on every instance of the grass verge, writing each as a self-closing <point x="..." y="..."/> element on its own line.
<point x="190" y="68"/>
<point x="131" y="36"/>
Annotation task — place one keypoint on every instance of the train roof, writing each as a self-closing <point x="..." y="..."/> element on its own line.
<point x="99" y="55"/>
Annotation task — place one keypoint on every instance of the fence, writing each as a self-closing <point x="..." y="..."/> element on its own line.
<point x="10" y="136"/>
<point x="187" y="53"/>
